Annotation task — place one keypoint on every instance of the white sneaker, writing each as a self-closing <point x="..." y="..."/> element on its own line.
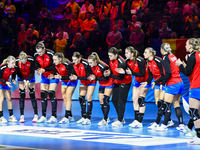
<point x="86" y="122"/>
<point x="3" y="120"/>
<point x="117" y="124"/>
<point x="153" y="126"/>
<point x="132" y="124"/>
<point x="80" y="121"/>
<point x="192" y="133"/>
<point x="21" y="119"/>
<point x="194" y="141"/>
<point x="162" y="128"/>
<point x="186" y="130"/>
<point x="181" y="127"/>
<point x="35" y="119"/>
<point x="170" y="123"/>
<point x="116" y="119"/>
<point x="71" y="118"/>
<point x="12" y="118"/>
<point x="42" y="120"/>
<point x="103" y="122"/>
<point x="136" y="124"/>
<point x="52" y="120"/>
<point x="64" y="120"/>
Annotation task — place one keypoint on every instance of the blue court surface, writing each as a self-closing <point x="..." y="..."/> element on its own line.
<point x="91" y="137"/>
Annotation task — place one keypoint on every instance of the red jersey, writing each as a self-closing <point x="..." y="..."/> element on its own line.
<point x="119" y="78"/>
<point x="192" y="69"/>
<point x="138" y="69"/>
<point x="98" y="71"/>
<point x="83" y="71"/>
<point x="5" y="73"/>
<point x="156" y="70"/>
<point x="172" y="72"/>
<point x="27" y="70"/>
<point x="64" y="70"/>
<point x="45" y="61"/>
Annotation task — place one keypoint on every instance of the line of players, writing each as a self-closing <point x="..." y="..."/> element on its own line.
<point x="115" y="79"/>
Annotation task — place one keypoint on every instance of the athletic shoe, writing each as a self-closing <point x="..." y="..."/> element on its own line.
<point x="162" y="128"/>
<point x="194" y="141"/>
<point x="170" y="123"/>
<point x="86" y="122"/>
<point x="153" y="126"/>
<point x="103" y="122"/>
<point x="35" y="119"/>
<point x="52" y="120"/>
<point x="80" y="121"/>
<point x="21" y="119"/>
<point x="181" y="127"/>
<point x="12" y="118"/>
<point x="132" y="124"/>
<point x="186" y="130"/>
<point x="64" y="120"/>
<point x="42" y="120"/>
<point x="192" y="133"/>
<point x="123" y="121"/>
<point x="71" y="118"/>
<point x="137" y="124"/>
<point x="117" y="124"/>
<point x="3" y="120"/>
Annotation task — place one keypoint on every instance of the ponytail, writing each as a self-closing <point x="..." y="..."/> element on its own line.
<point x="94" y="56"/>
<point x="195" y="44"/>
<point x="77" y="55"/>
<point x="134" y="51"/>
<point x="8" y="59"/>
<point x="62" y="57"/>
<point x="114" y="50"/>
<point x="166" y="47"/>
<point x="151" y="50"/>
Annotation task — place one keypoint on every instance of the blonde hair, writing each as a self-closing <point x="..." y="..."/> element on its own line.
<point x="22" y="55"/>
<point x="94" y="56"/>
<point x="77" y="55"/>
<point x="195" y="44"/>
<point x="166" y="47"/>
<point x="40" y="45"/>
<point x="134" y="51"/>
<point x="61" y="56"/>
<point x="151" y="50"/>
<point x="8" y="59"/>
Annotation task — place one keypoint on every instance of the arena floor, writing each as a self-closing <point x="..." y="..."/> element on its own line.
<point x="71" y="136"/>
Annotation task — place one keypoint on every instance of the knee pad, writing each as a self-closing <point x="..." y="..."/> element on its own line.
<point x="32" y="93"/>
<point x="22" y="94"/>
<point x="44" y="95"/>
<point x="106" y="100"/>
<point x="194" y="115"/>
<point x="82" y="100"/>
<point x="141" y="101"/>
<point x="160" y="103"/>
<point x="167" y="107"/>
<point x="52" y="95"/>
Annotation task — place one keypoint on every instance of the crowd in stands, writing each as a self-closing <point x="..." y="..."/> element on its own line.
<point x="88" y="26"/>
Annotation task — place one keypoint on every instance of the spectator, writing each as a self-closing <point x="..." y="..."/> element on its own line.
<point x="30" y="42"/>
<point x="60" y="44"/>
<point x="191" y="18"/>
<point x="114" y="10"/>
<point x="10" y="9"/>
<point x="176" y="22"/>
<point x="152" y="32"/>
<point x="137" y="4"/>
<point x="165" y="32"/>
<point x="45" y="18"/>
<point x="87" y="7"/>
<point x="80" y="2"/>
<point x="18" y="23"/>
<point x="65" y="34"/>
<point x="166" y="16"/>
<point x="74" y="6"/>
<point x="7" y="32"/>
<point x="47" y="38"/>
<point x="194" y="27"/>
<point x="171" y="5"/>
<point x="174" y="35"/>
<point x="132" y="24"/>
<point x="125" y="7"/>
<point x="104" y="25"/>
<point x="33" y="30"/>
<point x="188" y="6"/>
<point x="122" y="29"/>
<point x="87" y="26"/>
<point x="146" y="19"/>
<point x="177" y="4"/>
<point x="95" y="40"/>
<point x="99" y="9"/>
<point x="108" y="4"/>
<point x="79" y="45"/>
<point x="2" y="6"/>
<point x="145" y="2"/>
<point x="137" y="39"/>
<point x="75" y="25"/>
<point x="114" y="37"/>
<point x="21" y="36"/>
<point x="67" y="17"/>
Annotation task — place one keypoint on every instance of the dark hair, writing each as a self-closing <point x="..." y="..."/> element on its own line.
<point x="77" y="55"/>
<point x="70" y="9"/>
<point x="88" y="12"/>
<point x="134" y="51"/>
<point x="114" y="50"/>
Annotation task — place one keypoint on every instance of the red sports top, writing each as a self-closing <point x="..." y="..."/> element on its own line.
<point x="5" y="73"/>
